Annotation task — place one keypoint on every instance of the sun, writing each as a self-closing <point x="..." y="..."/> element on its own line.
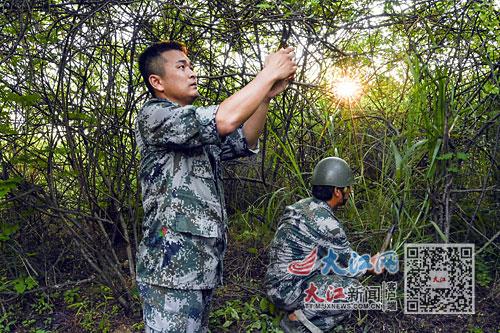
<point x="346" y="88"/>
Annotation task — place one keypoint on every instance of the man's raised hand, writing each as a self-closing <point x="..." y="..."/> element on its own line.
<point x="281" y="64"/>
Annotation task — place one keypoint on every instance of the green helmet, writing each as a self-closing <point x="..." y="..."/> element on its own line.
<point x="332" y="171"/>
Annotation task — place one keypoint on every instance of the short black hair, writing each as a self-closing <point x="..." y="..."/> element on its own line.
<point x="151" y="60"/>
<point x="324" y="192"/>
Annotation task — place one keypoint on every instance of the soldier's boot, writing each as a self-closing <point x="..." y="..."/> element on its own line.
<point x="300" y="325"/>
<point x="292" y="326"/>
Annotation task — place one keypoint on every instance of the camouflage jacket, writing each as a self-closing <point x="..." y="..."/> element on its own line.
<point x="184" y="225"/>
<point x="304" y="226"/>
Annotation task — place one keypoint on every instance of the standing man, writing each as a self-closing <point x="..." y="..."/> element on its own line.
<point x="308" y="231"/>
<point x="179" y="261"/>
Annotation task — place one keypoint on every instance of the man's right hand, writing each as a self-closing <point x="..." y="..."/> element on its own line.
<point x="373" y="261"/>
<point x="278" y="88"/>
<point x="281" y="64"/>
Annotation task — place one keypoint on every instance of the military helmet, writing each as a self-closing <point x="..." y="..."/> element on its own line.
<point x="332" y="171"/>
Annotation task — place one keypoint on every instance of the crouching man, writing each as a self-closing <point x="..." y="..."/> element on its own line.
<point x="309" y="231"/>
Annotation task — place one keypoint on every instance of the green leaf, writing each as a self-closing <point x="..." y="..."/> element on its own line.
<point x="397" y="155"/>
<point x="6" y="129"/>
<point x="397" y="159"/>
<point x="252" y="250"/>
<point x="227" y="323"/>
<point x="234" y="314"/>
<point x="30" y="283"/>
<point x="19" y="285"/>
<point x="7" y="230"/>
<point x="462" y="156"/>
<point x="26" y="99"/>
<point x="30" y="99"/>
<point x="9" y="184"/>
<point x="444" y="157"/>
<point x="264" y="5"/>
<point x="264" y="304"/>
<point x="272" y="308"/>
<point x="490" y="88"/>
<point x="256" y="325"/>
<point x="77" y="116"/>
<point x="440" y="232"/>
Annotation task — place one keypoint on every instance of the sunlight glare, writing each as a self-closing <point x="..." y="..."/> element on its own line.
<point x="347" y="88"/>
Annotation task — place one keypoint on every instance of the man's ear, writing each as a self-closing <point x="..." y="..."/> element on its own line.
<point x="337" y="192"/>
<point x="155" y="82"/>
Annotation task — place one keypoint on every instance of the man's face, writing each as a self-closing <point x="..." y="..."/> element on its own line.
<point x="178" y="82"/>
<point x="339" y="197"/>
<point x="345" y="196"/>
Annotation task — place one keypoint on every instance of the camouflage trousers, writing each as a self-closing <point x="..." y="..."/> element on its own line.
<point x="324" y="319"/>
<point x="168" y="310"/>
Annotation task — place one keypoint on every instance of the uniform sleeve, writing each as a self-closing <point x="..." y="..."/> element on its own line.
<point x="340" y="244"/>
<point x="164" y="124"/>
<point x="235" y="145"/>
<point x="290" y="243"/>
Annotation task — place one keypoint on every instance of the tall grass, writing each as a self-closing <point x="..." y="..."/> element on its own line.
<point x="400" y="160"/>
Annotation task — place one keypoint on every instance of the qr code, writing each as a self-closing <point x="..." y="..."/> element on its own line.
<point x="439" y="279"/>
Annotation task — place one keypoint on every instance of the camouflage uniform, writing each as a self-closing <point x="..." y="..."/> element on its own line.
<point x="305" y="225"/>
<point x="184" y="226"/>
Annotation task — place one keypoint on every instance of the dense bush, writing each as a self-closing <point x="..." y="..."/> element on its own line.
<point x="422" y="135"/>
